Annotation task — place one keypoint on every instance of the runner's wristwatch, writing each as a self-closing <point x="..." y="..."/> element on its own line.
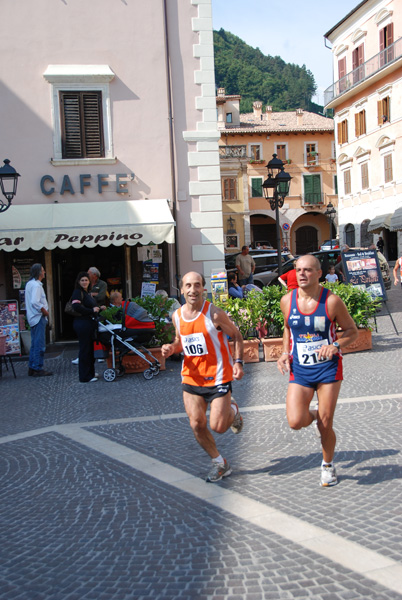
<point x="239" y="361"/>
<point x="336" y="344"/>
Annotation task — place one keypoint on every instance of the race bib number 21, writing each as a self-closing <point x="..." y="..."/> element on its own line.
<point x="194" y="344"/>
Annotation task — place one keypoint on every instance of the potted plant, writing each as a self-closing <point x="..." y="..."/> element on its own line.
<point x="246" y="314"/>
<point x="362" y="307"/>
<point x="273" y="321"/>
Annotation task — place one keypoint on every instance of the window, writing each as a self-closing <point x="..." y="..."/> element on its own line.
<point x="81" y="113"/>
<point x="357" y="63"/>
<point x="365" y="176"/>
<point x="384" y="110"/>
<point x="81" y="125"/>
<point x="343" y="132"/>
<point x="312" y="189"/>
<point x="387" y="168"/>
<point x="256" y="187"/>
<point x="255" y="151"/>
<point x="229" y="118"/>
<point x="229" y="188"/>
<point x="280" y="151"/>
<point x="347" y="182"/>
<point x="360" y="123"/>
<point x="311" y="154"/>
<point x="336" y="184"/>
<point x="386" y="44"/>
<point x="342" y="74"/>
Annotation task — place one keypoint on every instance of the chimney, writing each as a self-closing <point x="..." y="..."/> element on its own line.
<point x="299" y="117"/>
<point x="257" y="109"/>
<point x="221" y="92"/>
<point x="268" y="113"/>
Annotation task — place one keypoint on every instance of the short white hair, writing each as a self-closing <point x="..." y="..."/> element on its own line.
<point x="94" y="270"/>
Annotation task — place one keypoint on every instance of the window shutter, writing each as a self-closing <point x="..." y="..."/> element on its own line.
<point x="357" y="128"/>
<point x="256" y="187"/>
<point x="81" y="124"/>
<point x="92" y="109"/>
<point x="71" y="125"/>
<point x="340" y="140"/>
<point x="379" y="112"/>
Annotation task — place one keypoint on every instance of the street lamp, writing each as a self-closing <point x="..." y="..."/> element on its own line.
<point x="330" y="214"/>
<point x="8" y="184"/>
<point x="275" y="191"/>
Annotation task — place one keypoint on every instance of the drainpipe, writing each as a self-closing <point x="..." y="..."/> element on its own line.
<point x="171" y="142"/>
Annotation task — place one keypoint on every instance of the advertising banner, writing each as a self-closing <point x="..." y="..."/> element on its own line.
<point x="362" y="269"/>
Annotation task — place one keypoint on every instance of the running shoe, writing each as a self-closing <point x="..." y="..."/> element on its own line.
<point x="237" y="424"/>
<point x="218" y="471"/>
<point x="328" y="476"/>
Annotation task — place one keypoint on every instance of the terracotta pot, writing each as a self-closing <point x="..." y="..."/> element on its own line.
<point x="273" y="348"/>
<point x="135" y="364"/>
<point x="363" y="342"/>
<point x="251" y="350"/>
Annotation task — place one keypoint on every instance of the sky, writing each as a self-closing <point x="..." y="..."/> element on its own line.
<point x="293" y="30"/>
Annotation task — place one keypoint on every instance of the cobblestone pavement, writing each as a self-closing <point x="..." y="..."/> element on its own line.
<point x="102" y="492"/>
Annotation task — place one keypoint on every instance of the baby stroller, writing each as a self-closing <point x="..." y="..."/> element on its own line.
<point x="137" y="328"/>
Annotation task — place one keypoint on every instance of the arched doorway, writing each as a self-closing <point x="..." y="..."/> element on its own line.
<point x="263" y="229"/>
<point x="350" y="235"/>
<point x="306" y="240"/>
<point x="366" y="238"/>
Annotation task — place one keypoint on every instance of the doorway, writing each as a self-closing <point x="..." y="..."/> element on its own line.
<point x="306" y="240"/>
<point x="68" y="263"/>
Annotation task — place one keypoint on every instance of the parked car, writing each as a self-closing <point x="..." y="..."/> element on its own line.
<point x="265" y="261"/>
<point x="329" y="245"/>
<point x="327" y="258"/>
<point x="230" y="259"/>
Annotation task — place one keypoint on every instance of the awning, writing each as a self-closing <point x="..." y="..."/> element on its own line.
<point x="396" y="220"/>
<point x="89" y="224"/>
<point x="379" y="223"/>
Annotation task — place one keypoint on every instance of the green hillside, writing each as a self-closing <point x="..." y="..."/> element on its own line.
<point x="244" y="70"/>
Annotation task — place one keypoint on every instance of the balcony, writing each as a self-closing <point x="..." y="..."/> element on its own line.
<point x="311" y="159"/>
<point x="313" y="199"/>
<point x="374" y="65"/>
<point x="233" y="151"/>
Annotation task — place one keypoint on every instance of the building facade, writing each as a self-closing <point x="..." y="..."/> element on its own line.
<point x="110" y="119"/>
<point x="367" y="102"/>
<point x="304" y="141"/>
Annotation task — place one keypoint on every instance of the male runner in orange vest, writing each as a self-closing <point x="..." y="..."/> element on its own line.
<point x="208" y="368"/>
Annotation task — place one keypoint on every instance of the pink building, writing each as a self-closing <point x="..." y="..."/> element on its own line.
<point x="109" y="115"/>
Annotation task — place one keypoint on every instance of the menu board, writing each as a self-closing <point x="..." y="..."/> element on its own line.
<point x="362" y="269"/>
<point x="9" y="325"/>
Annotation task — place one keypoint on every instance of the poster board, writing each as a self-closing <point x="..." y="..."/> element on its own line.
<point x="10" y="325"/>
<point x="362" y="269"/>
<point x="219" y="285"/>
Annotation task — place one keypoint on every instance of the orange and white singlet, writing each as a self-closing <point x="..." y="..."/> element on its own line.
<point x="207" y="358"/>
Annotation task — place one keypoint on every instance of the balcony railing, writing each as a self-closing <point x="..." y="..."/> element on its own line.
<point x="311" y="159"/>
<point x="313" y="199"/>
<point x="364" y="71"/>
<point x="233" y="151"/>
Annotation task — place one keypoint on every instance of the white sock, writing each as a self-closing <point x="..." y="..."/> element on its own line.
<point x="235" y="408"/>
<point x="325" y="464"/>
<point x="219" y="459"/>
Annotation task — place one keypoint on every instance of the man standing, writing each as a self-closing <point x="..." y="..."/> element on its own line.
<point x="246" y="266"/>
<point x="312" y="355"/>
<point x="98" y="287"/>
<point x="208" y="369"/>
<point x="37" y="314"/>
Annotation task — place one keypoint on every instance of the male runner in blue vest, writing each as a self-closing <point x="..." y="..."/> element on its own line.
<point x="312" y="355"/>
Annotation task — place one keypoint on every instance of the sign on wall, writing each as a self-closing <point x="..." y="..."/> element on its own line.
<point x="9" y="325"/>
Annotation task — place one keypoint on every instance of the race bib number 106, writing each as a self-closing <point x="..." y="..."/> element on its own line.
<point x="194" y="344"/>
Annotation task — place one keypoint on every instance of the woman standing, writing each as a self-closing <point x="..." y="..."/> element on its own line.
<point x="84" y="326"/>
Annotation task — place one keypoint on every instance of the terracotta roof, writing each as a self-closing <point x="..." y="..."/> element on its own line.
<point x="281" y="121"/>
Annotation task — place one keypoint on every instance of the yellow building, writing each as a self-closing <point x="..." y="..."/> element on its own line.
<point x="304" y="141"/>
